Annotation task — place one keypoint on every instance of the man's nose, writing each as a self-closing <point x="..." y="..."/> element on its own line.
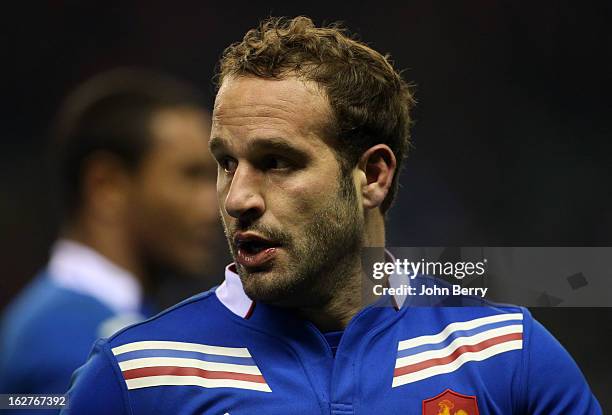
<point x="244" y="198"/>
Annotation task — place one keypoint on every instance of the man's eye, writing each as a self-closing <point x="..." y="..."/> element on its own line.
<point x="228" y="164"/>
<point x="276" y="163"/>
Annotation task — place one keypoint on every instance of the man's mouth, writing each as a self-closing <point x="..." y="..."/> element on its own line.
<point x="253" y="250"/>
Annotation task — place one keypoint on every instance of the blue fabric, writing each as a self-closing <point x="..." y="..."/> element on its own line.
<point x="296" y="362"/>
<point x="333" y="339"/>
<point x="547" y="359"/>
<point x="99" y="371"/>
<point x="45" y="334"/>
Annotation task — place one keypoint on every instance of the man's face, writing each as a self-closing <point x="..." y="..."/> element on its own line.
<point x="292" y="218"/>
<point x="174" y="206"/>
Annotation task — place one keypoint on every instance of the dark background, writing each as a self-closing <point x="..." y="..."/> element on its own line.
<point x="512" y="145"/>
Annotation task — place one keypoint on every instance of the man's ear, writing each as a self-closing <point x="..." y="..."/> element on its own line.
<point x="379" y="164"/>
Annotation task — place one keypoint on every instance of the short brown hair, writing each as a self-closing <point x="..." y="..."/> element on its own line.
<point x="370" y="101"/>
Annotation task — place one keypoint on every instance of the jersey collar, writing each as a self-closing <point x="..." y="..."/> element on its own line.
<point x="232" y="295"/>
<point x="79" y="268"/>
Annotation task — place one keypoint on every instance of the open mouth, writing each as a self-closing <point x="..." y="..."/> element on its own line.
<point x="254" y="246"/>
<point x="253" y="250"/>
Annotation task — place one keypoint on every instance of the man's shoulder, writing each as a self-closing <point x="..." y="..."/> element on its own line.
<point x="446" y="309"/>
<point x="181" y="322"/>
<point x="482" y="308"/>
<point x="482" y="312"/>
<point x="47" y="330"/>
<point x="43" y="293"/>
<point x="197" y="332"/>
<point x="45" y="309"/>
<point x="486" y="324"/>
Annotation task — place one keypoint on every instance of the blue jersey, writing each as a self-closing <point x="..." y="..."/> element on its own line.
<point x="45" y="335"/>
<point x="47" y="331"/>
<point x="219" y="353"/>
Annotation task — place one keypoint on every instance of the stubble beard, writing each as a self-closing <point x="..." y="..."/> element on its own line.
<point x="322" y="259"/>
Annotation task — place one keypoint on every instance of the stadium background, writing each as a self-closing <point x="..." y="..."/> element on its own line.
<point x="512" y="145"/>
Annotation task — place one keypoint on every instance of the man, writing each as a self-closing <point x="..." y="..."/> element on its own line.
<point x="309" y="131"/>
<point x="140" y="201"/>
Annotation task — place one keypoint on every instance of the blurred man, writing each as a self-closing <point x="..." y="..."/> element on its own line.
<point x="309" y="130"/>
<point x="139" y="199"/>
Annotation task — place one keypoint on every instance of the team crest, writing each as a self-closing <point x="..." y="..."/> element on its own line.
<point x="450" y="403"/>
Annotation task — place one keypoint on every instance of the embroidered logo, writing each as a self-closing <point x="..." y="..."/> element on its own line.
<point x="450" y="403"/>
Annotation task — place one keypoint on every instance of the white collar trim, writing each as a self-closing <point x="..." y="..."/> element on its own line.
<point x="232" y="295"/>
<point x="79" y="268"/>
<point x="397" y="281"/>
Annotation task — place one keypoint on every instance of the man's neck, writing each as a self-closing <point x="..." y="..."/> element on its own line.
<point x="349" y="296"/>
<point x="336" y="313"/>
<point x="110" y="243"/>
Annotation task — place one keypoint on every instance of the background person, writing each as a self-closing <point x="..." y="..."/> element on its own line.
<point x="139" y="209"/>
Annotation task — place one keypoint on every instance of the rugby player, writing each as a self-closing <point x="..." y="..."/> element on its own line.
<point x="310" y="129"/>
